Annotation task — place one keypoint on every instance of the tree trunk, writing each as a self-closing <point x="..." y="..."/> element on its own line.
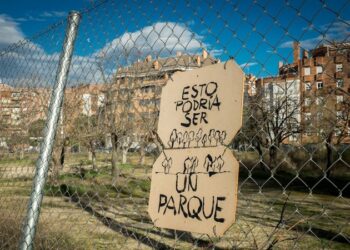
<point x="55" y="167"/>
<point x="21" y="154"/>
<point x="114" y="160"/>
<point x="257" y="146"/>
<point x="329" y="156"/>
<point x="125" y="155"/>
<point x="62" y="156"/>
<point x="273" y="156"/>
<point x="142" y="154"/>
<point x="94" y="166"/>
<point x="93" y="155"/>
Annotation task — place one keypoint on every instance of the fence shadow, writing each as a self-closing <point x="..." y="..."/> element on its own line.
<point x="318" y="184"/>
<point x="127" y="229"/>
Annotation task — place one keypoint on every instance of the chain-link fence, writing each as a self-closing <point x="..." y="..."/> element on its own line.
<point x="293" y="147"/>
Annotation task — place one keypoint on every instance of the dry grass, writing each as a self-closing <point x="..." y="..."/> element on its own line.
<point x="46" y="236"/>
<point x="94" y="215"/>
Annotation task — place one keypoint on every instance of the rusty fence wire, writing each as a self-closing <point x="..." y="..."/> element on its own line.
<point x="293" y="147"/>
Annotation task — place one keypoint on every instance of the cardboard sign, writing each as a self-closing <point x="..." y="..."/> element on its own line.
<point x="203" y="107"/>
<point x="194" y="190"/>
<point x="195" y="180"/>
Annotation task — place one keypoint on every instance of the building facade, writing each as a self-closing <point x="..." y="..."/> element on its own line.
<point x="131" y="100"/>
<point x="317" y="82"/>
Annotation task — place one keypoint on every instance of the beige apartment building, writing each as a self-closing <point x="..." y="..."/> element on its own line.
<point x="132" y="98"/>
<point x="20" y="107"/>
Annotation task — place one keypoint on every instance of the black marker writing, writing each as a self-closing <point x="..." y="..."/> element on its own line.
<point x="196" y="101"/>
<point x="193" y="207"/>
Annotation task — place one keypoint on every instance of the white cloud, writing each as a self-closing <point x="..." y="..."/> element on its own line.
<point x="53" y="14"/>
<point x="160" y="39"/>
<point x="248" y="64"/>
<point x="30" y="65"/>
<point x="216" y="52"/>
<point x="308" y="44"/>
<point x="338" y="31"/>
<point x="9" y="31"/>
<point x="41" y="17"/>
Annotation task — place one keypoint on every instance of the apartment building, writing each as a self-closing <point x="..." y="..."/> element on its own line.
<point x="325" y="89"/>
<point x="131" y="102"/>
<point x="317" y="86"/>
<point x="133" y="96"/>
<point x="20" y="107"/>
<point x="147" y="78"/>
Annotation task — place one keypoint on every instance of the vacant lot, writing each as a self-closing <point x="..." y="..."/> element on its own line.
<point x="84" y="211"/>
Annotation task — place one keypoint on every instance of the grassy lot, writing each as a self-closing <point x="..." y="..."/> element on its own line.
<point x="84" y="211"/>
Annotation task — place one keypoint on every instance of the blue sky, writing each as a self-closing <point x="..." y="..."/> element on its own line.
<point x="257" y="35"/>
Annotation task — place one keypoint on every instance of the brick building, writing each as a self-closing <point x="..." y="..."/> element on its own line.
<point x="318" y="81"/>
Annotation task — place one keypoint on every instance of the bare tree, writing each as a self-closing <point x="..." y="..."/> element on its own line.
<point x="116" y="119"/>
<point x="333" y="125"/>
<point x="278" y="117"/>
<point x="87" y="130"/>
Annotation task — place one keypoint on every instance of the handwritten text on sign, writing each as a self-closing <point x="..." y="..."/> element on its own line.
<point x="195" y="191"/>
<point x="196" y="101"/>
<point x="202" y="107"/>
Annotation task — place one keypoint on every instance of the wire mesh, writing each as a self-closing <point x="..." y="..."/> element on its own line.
<point x="293" y="147"/>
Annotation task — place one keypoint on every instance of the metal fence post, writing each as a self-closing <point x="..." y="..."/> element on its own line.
<point x="42" y="164"/>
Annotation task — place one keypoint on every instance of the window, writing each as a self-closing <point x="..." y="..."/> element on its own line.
<point x="320" y="132"/>
<point x="142" y="102"/>
<point x="100" y="100"/>
<point x="337" y="132"/>
<point x="16" y="110"/>
<point x="158" y="90"/>
<point x="307" y="86"/>
<point x="307" y="116"/>
<point x="338" y="67"/>
<point x="154" y="115"/>
<point x="145" y="115"/>
<point x="319" y="116"/>
<point x="131" y="116"/>
<point x="340" y="83"/>
<point x="86" y="104"/>
<point x="339" y="115"/>
<point x="123" y="91"/>
<point x="148" y="89"/>
<point x="293" y="137"/>
<point x="16" y="94"/>
<point x="319" y="100"/>
<point x="157" y="101"/>
<point x="307" y="101"/>
<point x="307" y="71"/>
<point x="130" y="105"/>
<point x="308" y="132"/>
<point x="340" y="98"/>
<point x="319" y="85"/>
<point x="319" y="69"/>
